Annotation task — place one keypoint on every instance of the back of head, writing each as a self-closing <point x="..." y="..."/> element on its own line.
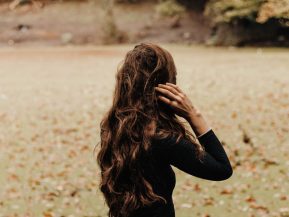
<point x="143" y="68"/>
<point x="134" y="118"/>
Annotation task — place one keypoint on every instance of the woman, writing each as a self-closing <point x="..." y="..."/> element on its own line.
<point x="142" y="137"/>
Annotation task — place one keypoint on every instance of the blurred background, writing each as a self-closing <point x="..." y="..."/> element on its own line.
<point x="82" y="22"/>
<point x="58" y="61"/>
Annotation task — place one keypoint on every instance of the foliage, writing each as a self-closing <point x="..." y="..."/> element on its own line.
<point x="273" y="8"/>
<point x="169" y="8"/>
<point x="128" y="1"/>
<point x="133" y="1"/>
<point x="255" y="10"/>
<point x="111" y="33"/>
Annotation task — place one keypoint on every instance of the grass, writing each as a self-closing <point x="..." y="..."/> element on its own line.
<point x="52" y="100"/>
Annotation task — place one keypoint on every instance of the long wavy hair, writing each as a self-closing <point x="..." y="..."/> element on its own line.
<point x="135" y="117"/>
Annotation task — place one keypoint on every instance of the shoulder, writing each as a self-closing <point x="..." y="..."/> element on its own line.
<point x="161" y="147"/>
<point x="168" y="141"/>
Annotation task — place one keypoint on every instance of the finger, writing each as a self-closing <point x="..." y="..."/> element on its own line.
<point x="168" y="101"/>
<point x="164" y="99"/>
<point x="172" y="89"/>
<point x="168" y="93"/>
<point x="180" y="95"/>
<point x="175" y="86"/>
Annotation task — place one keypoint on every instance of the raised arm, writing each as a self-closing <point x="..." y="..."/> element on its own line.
<point x="214" y="165"/>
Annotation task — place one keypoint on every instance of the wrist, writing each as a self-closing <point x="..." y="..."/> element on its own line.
<point x="198" y="123"/>
<point x="200" y="135"/>
<point x="193" y="114"/>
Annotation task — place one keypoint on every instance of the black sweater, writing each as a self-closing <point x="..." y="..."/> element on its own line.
<point x="166" y="152"/>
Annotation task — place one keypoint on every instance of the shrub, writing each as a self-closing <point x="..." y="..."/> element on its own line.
<point x="169" y="8"/>
<point x="260" y="11"/>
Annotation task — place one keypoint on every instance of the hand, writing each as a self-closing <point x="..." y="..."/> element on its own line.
<point x="177" y="99"/>
<point x="181" y="104"/>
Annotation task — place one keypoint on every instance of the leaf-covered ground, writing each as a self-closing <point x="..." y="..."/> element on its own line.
<point x="52" y="100"/>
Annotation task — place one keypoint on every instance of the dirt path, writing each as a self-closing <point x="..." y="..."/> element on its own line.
<point x="52" y="100"/>
<point x="81" y="23"/>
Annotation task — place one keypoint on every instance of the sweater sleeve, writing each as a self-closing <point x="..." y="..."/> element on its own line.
<point x="214" y="165"/>
<point x="203" y="133"/>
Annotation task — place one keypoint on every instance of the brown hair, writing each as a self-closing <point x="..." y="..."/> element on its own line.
<point x="135" y="117"/>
